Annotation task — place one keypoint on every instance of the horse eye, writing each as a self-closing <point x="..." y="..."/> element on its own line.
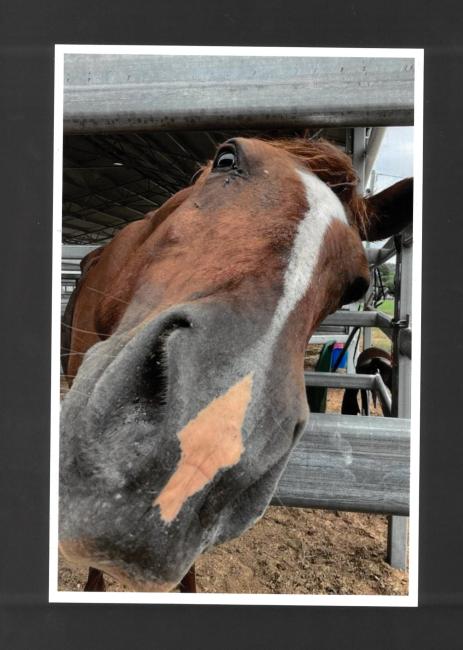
<point x="225" y="160"/>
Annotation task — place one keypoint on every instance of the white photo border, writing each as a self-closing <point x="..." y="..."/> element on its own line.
<point x="409" y="600"/>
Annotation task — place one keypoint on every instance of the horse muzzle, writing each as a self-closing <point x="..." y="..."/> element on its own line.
<point x="81" y="554"/>
<point x="173" y="446"/>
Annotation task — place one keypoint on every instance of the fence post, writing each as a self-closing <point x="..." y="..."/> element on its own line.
<point x="397" y="547"/>
<point x="359" y="154"/>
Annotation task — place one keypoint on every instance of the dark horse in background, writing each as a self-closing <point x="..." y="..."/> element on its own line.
<point x="370" y="362"/>
<point x="184" y="342"/>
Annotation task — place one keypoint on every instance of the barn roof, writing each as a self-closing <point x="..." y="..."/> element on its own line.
<point x="114" y="178"/>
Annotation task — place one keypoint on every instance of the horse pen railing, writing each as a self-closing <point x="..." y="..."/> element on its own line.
<point x="346" y="462"/>
<point x="398" y="329"/>
<point x="341" y="462"/>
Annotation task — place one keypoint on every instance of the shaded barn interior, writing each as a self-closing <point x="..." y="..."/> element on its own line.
<point x="112" y="179"/>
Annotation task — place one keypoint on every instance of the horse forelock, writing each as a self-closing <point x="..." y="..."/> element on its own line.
<point x="334" y="168"/>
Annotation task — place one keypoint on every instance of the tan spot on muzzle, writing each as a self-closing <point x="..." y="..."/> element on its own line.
<point x="210" y="442"/>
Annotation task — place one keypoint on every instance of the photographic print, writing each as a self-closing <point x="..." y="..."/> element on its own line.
<point x="236" y="325"/>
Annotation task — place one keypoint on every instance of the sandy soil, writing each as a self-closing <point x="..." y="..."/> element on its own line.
<point x="294" y="550"/>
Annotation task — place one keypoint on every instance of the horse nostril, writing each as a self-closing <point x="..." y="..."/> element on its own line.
<point x="153" y="378"/>
<point x="177" y="322"/>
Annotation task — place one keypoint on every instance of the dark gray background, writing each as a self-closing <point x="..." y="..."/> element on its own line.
<point x="28" y="31"/>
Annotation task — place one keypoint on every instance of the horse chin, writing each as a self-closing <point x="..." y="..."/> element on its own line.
<point x="78" y="553"/>
<point x="243" y="511"/>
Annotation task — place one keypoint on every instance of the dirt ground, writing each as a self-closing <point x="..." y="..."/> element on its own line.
<point x="295" y="551"/>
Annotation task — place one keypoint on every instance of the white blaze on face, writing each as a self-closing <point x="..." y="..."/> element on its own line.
<point x="213" y="440"/>
<point x="323" y="207"/>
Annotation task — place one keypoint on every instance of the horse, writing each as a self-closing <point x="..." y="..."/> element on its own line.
<point x="370" y="362"/>
<point x="184" y="342"/>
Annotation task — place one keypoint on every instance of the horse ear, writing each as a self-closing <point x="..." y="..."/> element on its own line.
<point x="389" y="212"/>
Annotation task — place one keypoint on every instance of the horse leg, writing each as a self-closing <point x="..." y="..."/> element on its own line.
<point x="188" y="584"/>
<point x="365" y="403"/>
<point x="349" y="402"/>
<point x="95" y="580"/>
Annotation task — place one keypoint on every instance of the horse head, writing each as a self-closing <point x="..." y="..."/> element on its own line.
<point x="188" y="332"/>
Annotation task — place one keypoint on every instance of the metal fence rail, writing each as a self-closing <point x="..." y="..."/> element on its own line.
<point x="104" y="93"/>
<point x="345" y="462"/>
<point x="373" y="383"/>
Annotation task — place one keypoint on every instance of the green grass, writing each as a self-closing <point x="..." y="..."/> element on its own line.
<point x="387" y="307"/>
<point x="378" y="338"/>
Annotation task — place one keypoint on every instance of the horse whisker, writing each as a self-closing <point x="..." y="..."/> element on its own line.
<point x="108" y="295"/>
<point x="71" y="352"/>
<point x="341" y="184"/>
<point x="79" y="329"/>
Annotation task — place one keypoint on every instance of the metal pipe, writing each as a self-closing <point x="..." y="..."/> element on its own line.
<point x="378" y="256"/>
<point x="374" y="144"/>
<point x="384" y="395"/>
<point x="346" y="462"/>
<point x="318" y="339"/>
<point x="360" y="318"/>
<point x="333" y="380"/>
<point x="110" y="93"/>
<point x="397" y="551"/>
<point x="76" y="251"/>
